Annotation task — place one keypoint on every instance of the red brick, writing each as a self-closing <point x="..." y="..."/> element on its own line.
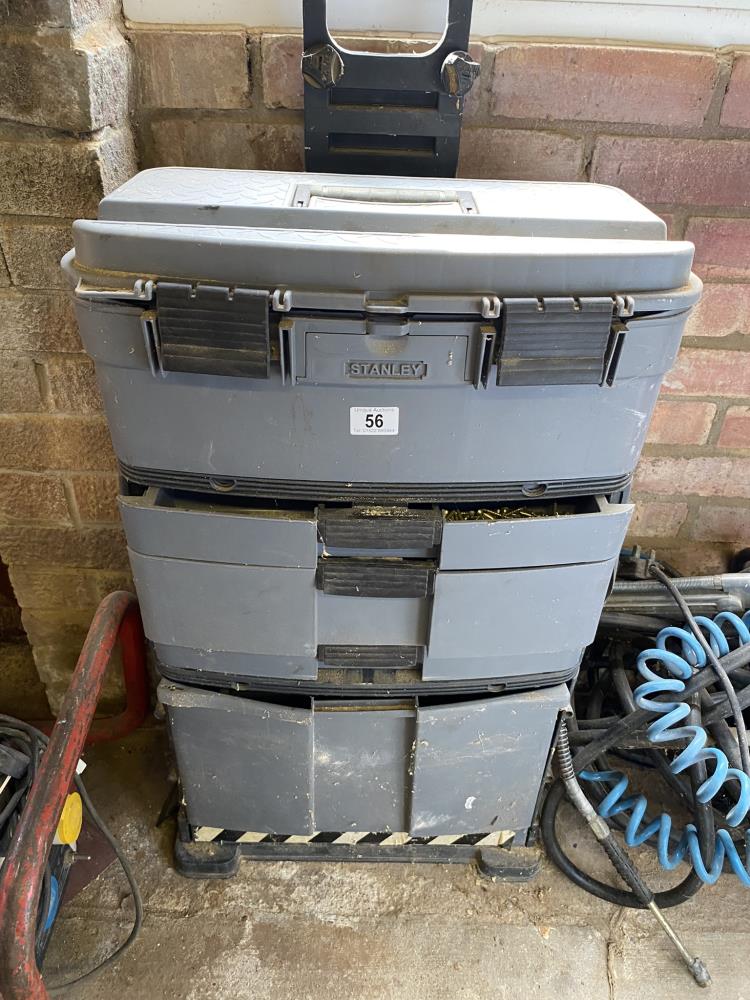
<point x="603" y="83"/>
<point x="72" y="385"/>
<point x="723" y="524"/>
<point x="653" y="519"/>
<point x="96" y="497"/>
<point x="722" y="311"/>
<point x="191" y="69"/>
<point x="226" y="143"/>
<point x="676" y="171"/>
<point x="735" y="431"/>
<point x="19" y="387"/>
<point x="516" y="154"/>
<point x="26" y="497"/>
<point x="722" y="247"/>
<point x="699" y="372"/>
<point x="735" y="111"/>
<point x="44" y="442"/>
<point x="473" y="100"/>
<point x="670" y="221"/>
<point x="675" y="422"/>
<point x="707" y="477"/>
<point x="280" y="70"/>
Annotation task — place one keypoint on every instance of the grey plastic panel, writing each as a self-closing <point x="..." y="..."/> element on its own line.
<point x="303" y="433"/>
<point x="480" y="616"/>
<point x="203" y="665"/>
<point x="386" y="261"/>
<point x="418" y="354"/>
<point x="400" y="621"/>
<point x="363" y="754"/>
<point x="235" y="755"/>
<point x="178" y="195"/>
<point x="158" y="525"/>
<point x="474" y="766"/>
<point x="479" y="765"/>
<point x="221" y="607"/>
<point x="536" y="541"/>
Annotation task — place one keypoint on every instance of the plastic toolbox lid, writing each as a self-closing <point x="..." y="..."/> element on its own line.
<point x="391" y="234"/>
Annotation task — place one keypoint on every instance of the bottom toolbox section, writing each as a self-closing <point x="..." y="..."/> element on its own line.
<point x="429" y="769"/>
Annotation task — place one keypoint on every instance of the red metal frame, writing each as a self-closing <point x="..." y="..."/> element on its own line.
<point x="116" y="618"/>
<point x="135" y="682"/>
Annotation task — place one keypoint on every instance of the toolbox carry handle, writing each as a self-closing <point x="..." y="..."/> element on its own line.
<point x="336" y="196"/>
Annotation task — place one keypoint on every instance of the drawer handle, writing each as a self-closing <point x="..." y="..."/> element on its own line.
<point x="375" y="577"/>
<point x="390" y="528"/>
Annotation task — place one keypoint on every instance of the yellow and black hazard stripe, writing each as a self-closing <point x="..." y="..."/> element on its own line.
<point x="211" y="834"/>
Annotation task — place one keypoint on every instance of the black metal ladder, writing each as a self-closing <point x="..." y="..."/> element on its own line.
<point x="392" y="113"/>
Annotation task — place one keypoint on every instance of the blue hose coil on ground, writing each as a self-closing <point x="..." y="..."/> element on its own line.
<point x="667" y="727"/>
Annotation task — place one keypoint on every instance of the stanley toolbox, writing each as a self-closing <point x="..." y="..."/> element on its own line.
<point x="392" y="340"/>
<point x="375" y="424"/>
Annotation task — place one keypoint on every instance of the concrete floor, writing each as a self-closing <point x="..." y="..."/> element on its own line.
<point x="292" y="931"/>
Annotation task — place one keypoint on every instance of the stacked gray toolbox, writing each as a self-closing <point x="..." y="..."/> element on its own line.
<point x="376" y="436"/>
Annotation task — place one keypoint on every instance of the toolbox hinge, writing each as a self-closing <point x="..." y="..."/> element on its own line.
<point x="281" y="300"/>
<point x="560" y="341"/>
<point x="624" y="306"/>
<point x="210" y="330"/>
<point x="491" y="306"/>
<point x="142" y="291"/>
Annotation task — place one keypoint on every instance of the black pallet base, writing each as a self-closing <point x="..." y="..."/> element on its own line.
<point x="216" y="859"/>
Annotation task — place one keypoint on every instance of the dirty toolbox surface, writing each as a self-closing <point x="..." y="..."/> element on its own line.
<point x="366" y="932"/>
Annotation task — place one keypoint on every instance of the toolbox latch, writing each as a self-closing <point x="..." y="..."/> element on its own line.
<point x="212" y="330"/>
<point x="557" y="341"/>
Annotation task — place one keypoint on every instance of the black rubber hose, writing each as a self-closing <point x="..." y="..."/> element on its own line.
<point x="703" y="814"/>
<point x="720" y="731"/>
<point x="620" y="897"/>
<point x="627" y="700"/>
<point x="638" y="719"/>
<point x="38" y="741"/>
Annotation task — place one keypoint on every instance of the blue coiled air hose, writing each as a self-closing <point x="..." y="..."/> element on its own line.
<point x="668" y="727"/>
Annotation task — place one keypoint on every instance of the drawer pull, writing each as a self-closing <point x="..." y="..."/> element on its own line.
<point x="375" y="577"/>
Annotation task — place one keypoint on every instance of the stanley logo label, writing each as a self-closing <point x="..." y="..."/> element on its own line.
<point x="386" y="369"/>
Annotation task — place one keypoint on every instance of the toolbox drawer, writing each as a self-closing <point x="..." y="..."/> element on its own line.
<point x="575" y="531"/>
<point x="503" y="592"/>
<point x="451" y="767"/>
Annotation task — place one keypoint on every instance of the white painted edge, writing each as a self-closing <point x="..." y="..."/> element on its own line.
<point x="704" y="23"/>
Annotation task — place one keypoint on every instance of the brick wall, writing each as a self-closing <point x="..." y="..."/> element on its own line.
<point x="65" y="140"/>
<point x="670" y="126"/>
